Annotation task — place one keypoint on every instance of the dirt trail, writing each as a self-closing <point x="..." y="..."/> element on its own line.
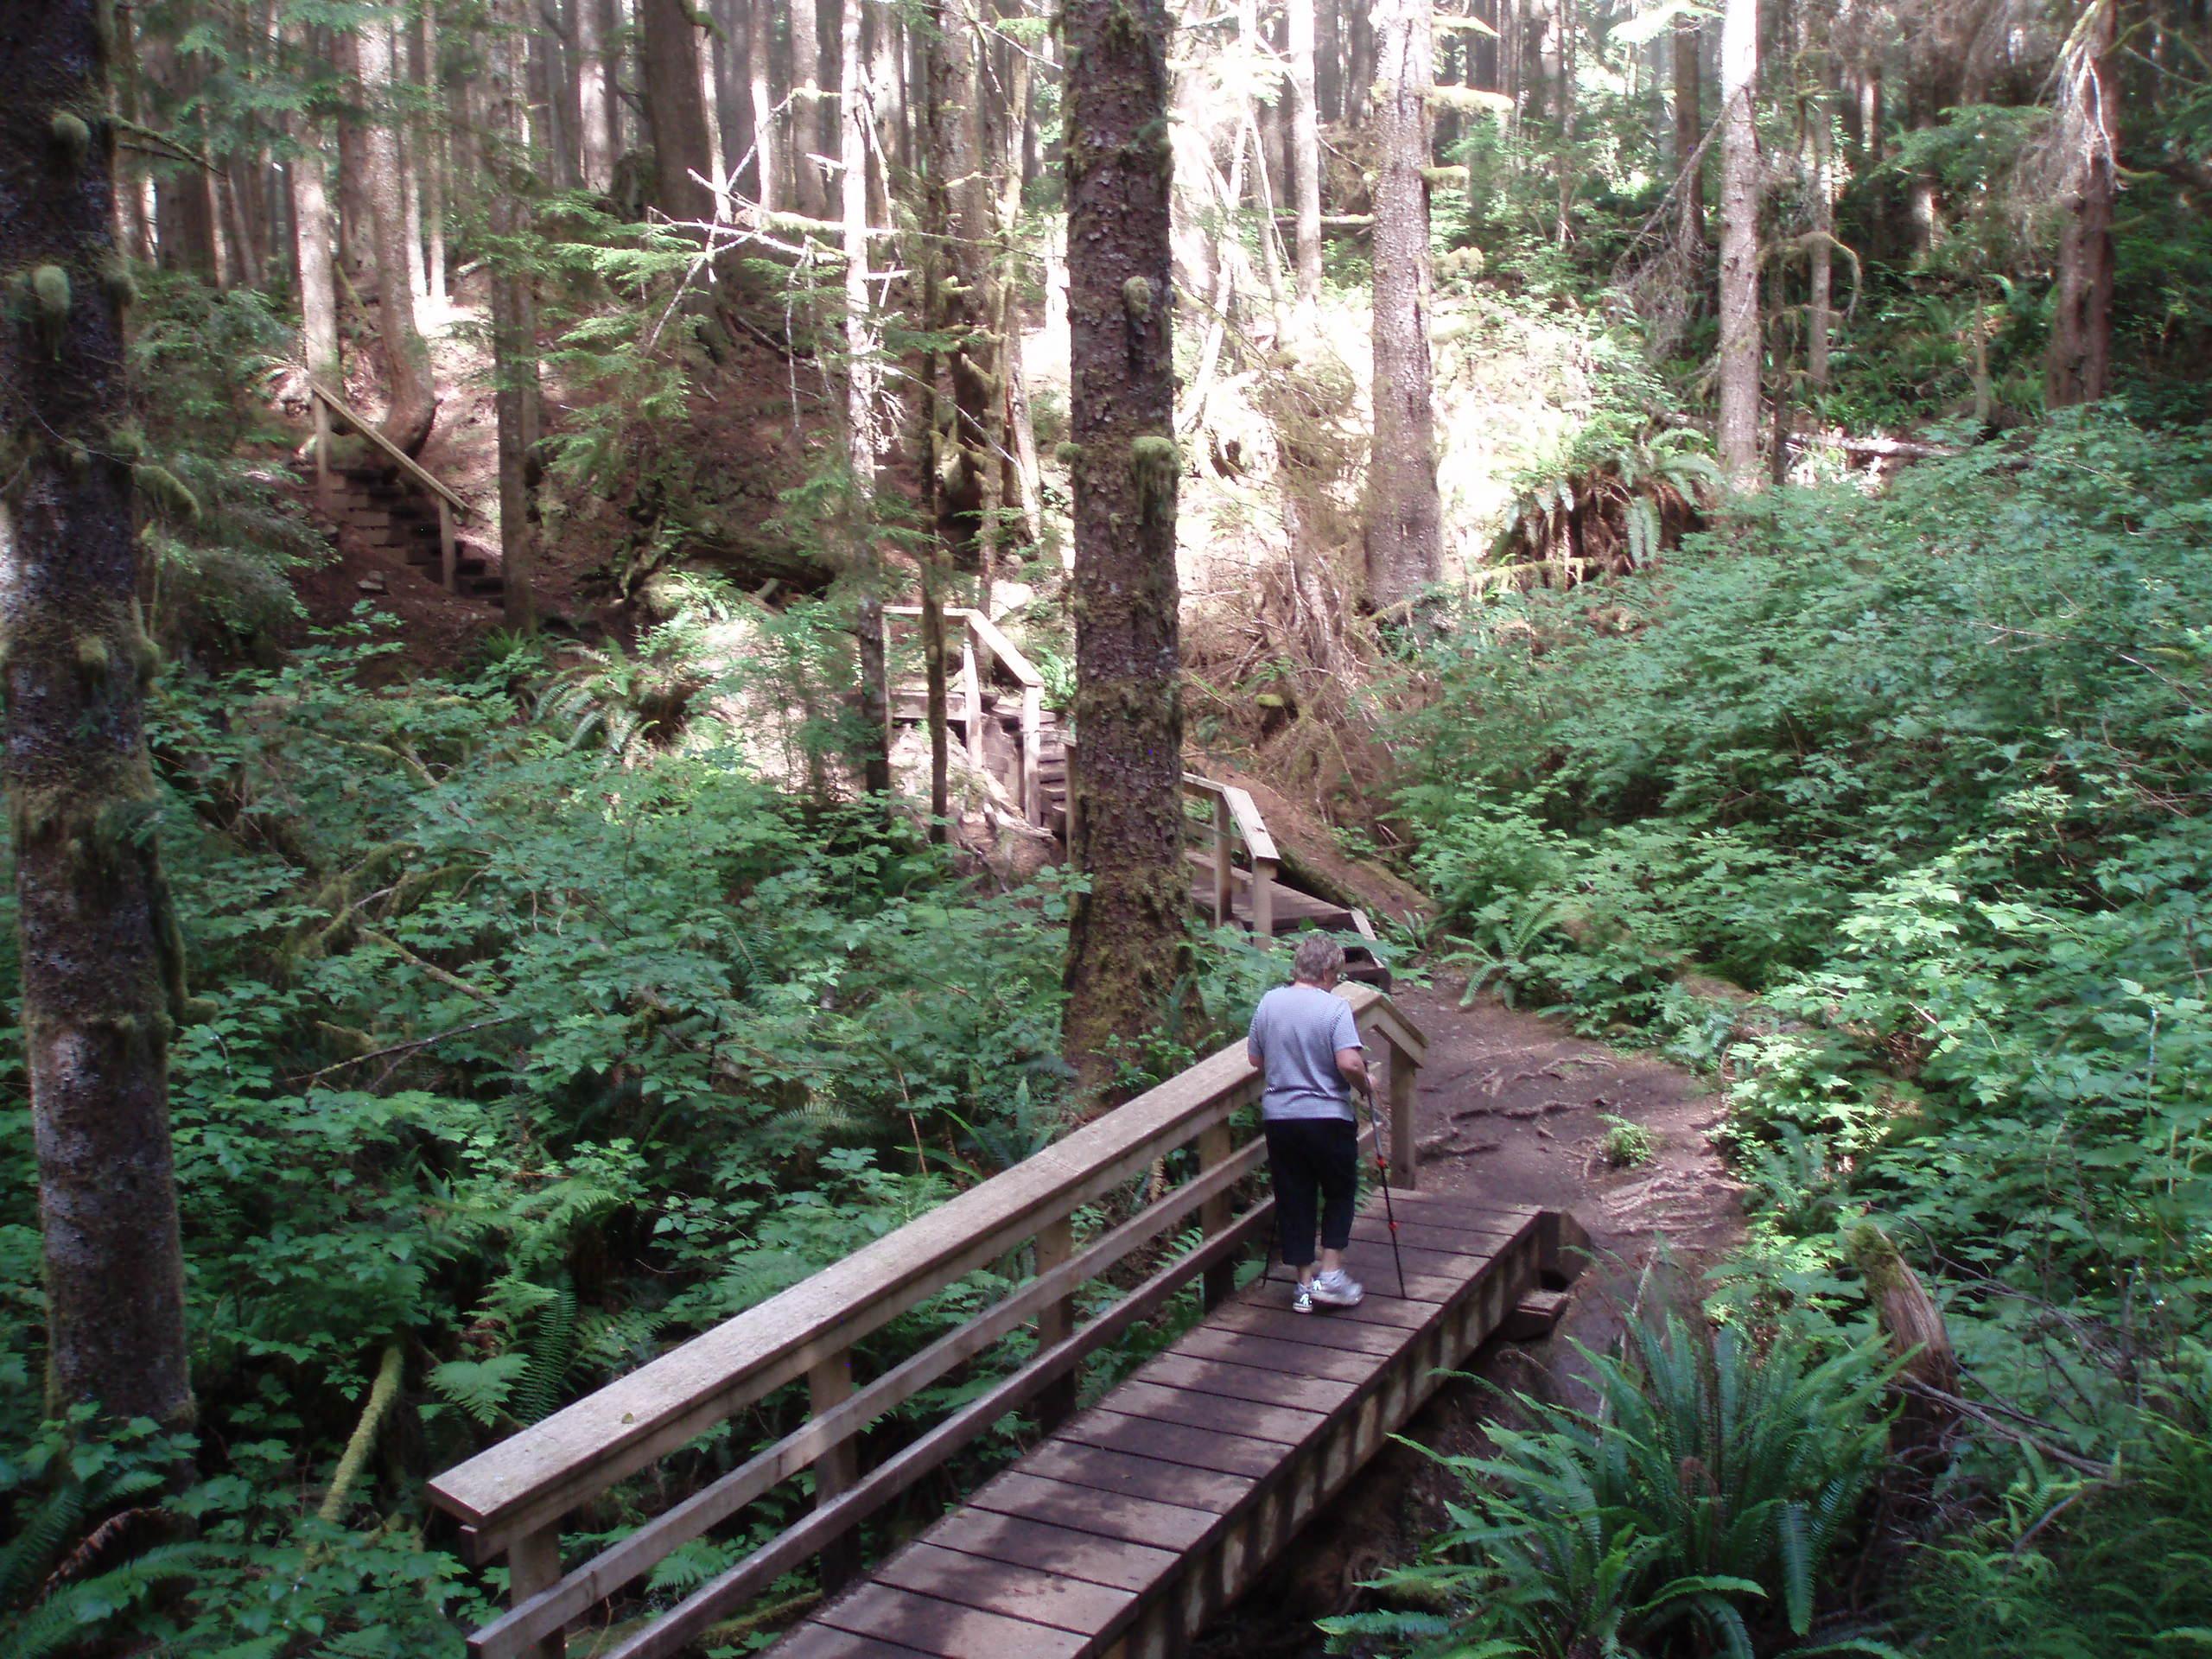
<point x="1512" y="1107"/>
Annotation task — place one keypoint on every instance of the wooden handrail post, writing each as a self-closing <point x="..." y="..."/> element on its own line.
<point x="534" y="1564"/>
<point x="1224" y="873"/>
<point x="448" y="549"/>
<point x="972" y="682"/>
<point x="830" y="1383"/>
<point x="1263" y="897"/>
<point x="324" y="492"/>
<point x="1033" y="738"/>
<point x="1215" y="1214"/>
<point x="1055" y="1243"/>
<point x="1405" y="1142"/>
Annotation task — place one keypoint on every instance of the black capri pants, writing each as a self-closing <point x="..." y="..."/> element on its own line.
<point x="1309" y="1157"/>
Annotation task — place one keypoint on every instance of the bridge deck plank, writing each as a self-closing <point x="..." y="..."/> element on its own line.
<point x="1210" y="1453"/>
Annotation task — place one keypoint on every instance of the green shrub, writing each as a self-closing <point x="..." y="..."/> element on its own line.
<point x="1693" y="1511"/>
<point x="1928" y="771"/>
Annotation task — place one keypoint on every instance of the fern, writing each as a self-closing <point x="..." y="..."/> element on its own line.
<point x="480" y="1387"/>
<point x="1707" y="1489"/>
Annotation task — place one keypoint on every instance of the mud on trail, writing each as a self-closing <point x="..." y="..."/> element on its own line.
<point x="1512" y="1107"/>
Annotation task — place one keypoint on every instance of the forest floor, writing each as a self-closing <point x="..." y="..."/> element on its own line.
<point x="1511" y="1108"/>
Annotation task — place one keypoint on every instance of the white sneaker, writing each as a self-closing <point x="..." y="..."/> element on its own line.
<point x="1301" y="1300"/>
<point x="1336" y="1289"/>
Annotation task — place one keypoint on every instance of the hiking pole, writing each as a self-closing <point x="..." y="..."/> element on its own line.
<point x="1382" y="1169"/>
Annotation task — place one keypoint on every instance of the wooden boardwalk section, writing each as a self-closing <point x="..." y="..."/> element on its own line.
<point x="1127" y="1524"/>
<point x="1142" y="1517"/>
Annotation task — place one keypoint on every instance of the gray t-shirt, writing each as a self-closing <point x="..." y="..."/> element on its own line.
<point x="1296" y="1032"/>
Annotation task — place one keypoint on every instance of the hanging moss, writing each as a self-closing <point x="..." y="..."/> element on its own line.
<point x="50" y="294"/>
<point x="121" y="286"/>
<point x="1155" y="465"/>
<point x="167" y="493"/>
<point x="1137" y="299"/>
<point x="72" y="141"/>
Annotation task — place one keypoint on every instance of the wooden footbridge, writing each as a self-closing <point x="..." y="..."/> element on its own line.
<point x="1181" y="1429"/>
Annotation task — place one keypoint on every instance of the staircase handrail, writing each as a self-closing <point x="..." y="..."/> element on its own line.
<point x="980" y="632"/>
<point x="392" y="452"/>
<point x="1233" y="810"/>
<point x="512" y="1498"/>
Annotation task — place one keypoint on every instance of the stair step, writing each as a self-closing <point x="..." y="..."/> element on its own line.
<point x="1534" y="1315"/>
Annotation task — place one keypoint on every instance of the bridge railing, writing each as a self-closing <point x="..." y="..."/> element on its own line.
<point x="982" y="646"/>
<point x="512" y="1498"/>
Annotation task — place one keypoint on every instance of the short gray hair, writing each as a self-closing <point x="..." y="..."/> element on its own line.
<point x="1318" y="957"/>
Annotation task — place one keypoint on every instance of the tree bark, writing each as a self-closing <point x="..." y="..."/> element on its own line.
<point x="413" y="405"/>
<point x="1126" y="937"/>
<point x="514" y="344"/>
<point x="1738" y="434"/>
<point x="102" y="957"/>
<point x="1689" y="127"/>
<point x="669" y="55"/>
<point x="1405" y="518"/>
<point x="318" y="277"/>
<point x="813" y="197"/>
<point x="357" y="253"/>
<point x="765" y="146"/>
<point x="863" y="397"/>
<point x="434" y="158"/>
<point x="972" y="494"/>
<point x="595" y="130"/>
<point x="933" y="85"/>
<point x="2079" y="368"/>
<point x="1819" y="297"/>
<point x="1305" y="155"/>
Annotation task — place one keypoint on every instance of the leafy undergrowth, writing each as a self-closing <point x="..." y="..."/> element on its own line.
<point x="1694" y="1510"/>
<point x="1928" y="774"/>
<point x="527" y="1053"/>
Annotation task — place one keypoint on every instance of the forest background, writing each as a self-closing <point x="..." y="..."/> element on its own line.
<point x="1794" y="656"/>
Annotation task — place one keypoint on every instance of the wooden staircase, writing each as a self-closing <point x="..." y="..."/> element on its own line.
<point x="383" y="512"/>
<point x="387" y="502"/>
<point x="995" y="704"/>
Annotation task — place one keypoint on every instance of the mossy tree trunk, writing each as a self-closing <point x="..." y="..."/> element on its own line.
<point x="102" y="960"/>
<point x="414" y="399"/>
<point x="1405" y="517"/>
<point x="1126" y="938"/>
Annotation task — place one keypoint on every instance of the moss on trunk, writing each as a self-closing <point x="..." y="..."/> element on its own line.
<point x="103" y="960"/>
<point x="1126" y="940"/>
